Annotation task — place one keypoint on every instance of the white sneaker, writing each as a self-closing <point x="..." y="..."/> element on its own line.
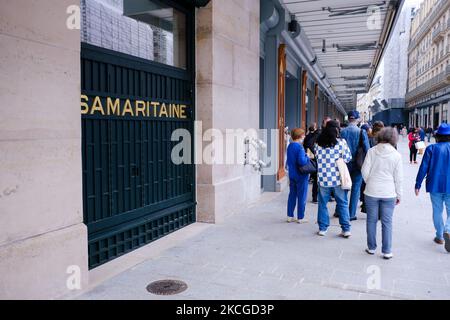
<point x="346" y="234"/>
<point x="388" y="256"/>
<point x="301" y="221"/>
<point x="289" y="220"/>
<point x="322" y="233"/>
<point x="371" y="252"/>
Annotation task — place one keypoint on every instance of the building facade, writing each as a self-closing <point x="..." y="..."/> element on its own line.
<point x="117" y="126"/>
<point x="428" y="94"/>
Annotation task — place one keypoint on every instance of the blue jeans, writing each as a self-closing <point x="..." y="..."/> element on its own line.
<point x="438" y="200"/>
<point x="298" y="191"/>
<point x="355" y="192"/>
<point x="383" y="209"/>
<point x="323" y="217"/>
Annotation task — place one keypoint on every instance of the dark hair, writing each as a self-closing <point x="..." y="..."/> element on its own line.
<point x="442" y="138"/>
<point x="329" y="135"/>
<point x="312" y="127"/>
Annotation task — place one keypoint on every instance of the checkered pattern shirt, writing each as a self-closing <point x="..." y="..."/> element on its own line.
<point x="327" y="171"/>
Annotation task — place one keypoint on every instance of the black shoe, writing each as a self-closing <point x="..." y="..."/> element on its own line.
<point x="447" y="241"/>
<point x="336" y="215"/>
<point x="314" y="201"/>
<point x="353" y="219"/>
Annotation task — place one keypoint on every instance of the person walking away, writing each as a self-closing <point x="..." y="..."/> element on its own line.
<point x="422" y="134"/>
<point x="377" y="127"/>
<point x="413" y="137"/>
<point x="308" y="144"/>
<point x="435" y="167"/>
<point x="383" y="173"/>
<point x="328" y="149"/>
<point x="429" y="132"/>
<point x="352" y="134"/>
<point x="404" y="133"/>
<point x="298" y="183"/>
<point x="363" y="184"/>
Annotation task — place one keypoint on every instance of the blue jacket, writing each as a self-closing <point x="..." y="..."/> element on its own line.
<point x="422" y="134"/>
<point x="296" y="156"/>
<point x="351" y="135"/>
<point x="436" y="168"/>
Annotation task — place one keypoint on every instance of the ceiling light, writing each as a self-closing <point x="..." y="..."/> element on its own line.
<point x="353" y="10"/>
<point x="354" y="66"/>
<point x="356" y="46"/>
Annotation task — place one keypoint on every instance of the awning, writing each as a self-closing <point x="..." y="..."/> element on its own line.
<point x="348" y="38"/>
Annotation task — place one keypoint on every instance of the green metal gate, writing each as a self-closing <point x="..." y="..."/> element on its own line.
<point x="132" y="192"/>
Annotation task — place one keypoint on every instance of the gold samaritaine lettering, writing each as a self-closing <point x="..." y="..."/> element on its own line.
<point x="183" y="111"/>
<point x="97" y="106"/>
<point x="134" y="108"/>
<point x="176" y="110"/>
<point x="140" y="108"/>
<point x="155" y="105"/>
<point x="163" y="110"/>
<point x="113" y="107"/>
<point x="84" y="105"/>
<point x="127" y="108"/>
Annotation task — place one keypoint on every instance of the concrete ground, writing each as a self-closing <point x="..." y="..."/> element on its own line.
<point x="255" y="254"/>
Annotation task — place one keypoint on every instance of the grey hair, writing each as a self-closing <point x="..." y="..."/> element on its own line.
<point x="388" y="135"/>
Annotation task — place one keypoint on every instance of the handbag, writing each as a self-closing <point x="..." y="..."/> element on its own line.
<point x="346" y="180"/>
<point x="309" y="167"/>
<point x="360" y="152"/>
<point x="420" y="145"/>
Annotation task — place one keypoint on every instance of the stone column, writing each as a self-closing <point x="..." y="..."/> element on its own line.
<point x="227" y="95"/>
<point x="42" y="235"/>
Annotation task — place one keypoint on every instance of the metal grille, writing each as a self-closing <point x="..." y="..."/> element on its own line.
<point x="132" y="192"/>
<point x="105" y="247"/>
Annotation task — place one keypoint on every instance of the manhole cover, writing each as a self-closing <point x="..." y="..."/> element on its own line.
<point x="166" y="287"/>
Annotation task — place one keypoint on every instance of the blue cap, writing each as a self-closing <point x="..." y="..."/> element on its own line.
<point x="353" y="114"/>
<point x="443" y="130"/>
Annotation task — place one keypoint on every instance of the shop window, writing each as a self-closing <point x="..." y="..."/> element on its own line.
<point x="146" y="29"/>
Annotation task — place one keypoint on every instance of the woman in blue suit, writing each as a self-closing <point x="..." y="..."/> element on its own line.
<point x="298" y="183"/>
<point x="436" y="168"/>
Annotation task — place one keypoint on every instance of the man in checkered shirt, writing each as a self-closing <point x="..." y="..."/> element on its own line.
<point x="330" y="148"/>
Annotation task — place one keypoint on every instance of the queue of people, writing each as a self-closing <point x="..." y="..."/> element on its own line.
<point x="352" y="164"/>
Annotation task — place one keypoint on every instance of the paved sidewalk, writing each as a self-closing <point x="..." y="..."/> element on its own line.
<point x="255" y="254"/>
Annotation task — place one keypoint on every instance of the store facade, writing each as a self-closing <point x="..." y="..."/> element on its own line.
<point x="291" y="81"/>
<point x="87" y="174"/>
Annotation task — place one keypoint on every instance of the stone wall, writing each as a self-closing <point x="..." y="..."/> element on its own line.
<point x="41" y="229"/>
<point x="227" y="98"/>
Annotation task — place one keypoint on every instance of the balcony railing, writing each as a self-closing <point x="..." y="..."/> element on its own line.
<point x="442" y="78"/>
<point x="425" y="25"/>
<point x="438" y="33"/>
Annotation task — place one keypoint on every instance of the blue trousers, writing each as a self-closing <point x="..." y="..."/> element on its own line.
<point x="323" y="217"/>
<point x="438" y="200"/>
<point x="356" y="190"/>
<point x="298" y="190"/>
<point x="384" y="209"/>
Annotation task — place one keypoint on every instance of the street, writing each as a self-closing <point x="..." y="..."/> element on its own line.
<point x="255" y="254"/>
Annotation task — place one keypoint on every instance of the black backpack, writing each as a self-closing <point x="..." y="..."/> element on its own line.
<point x="360" y="152"/>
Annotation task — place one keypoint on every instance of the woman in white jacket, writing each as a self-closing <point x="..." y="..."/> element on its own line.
<point x="383" y="173"/>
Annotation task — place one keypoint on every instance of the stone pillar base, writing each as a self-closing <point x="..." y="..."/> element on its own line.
<point x="37" y="267"/>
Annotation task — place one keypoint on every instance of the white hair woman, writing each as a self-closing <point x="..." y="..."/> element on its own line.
<point x="383" y="173"/>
